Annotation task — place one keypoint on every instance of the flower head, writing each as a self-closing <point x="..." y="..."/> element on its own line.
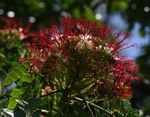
<point x="83" y="52"/>
<point x="13" y="28"/>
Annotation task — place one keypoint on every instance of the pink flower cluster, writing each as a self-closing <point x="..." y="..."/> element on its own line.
<point x="83" y="46"/>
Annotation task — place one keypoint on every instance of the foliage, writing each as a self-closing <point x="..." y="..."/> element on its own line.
<point x="77" y="71"/>
<point x="144" y="59"/>
<point x="11" y="36"/>
<point x="49" y="11"/>
<point x="141" y="89"/>
<point x="132" y="10"/>
<point x="12" y="33"/>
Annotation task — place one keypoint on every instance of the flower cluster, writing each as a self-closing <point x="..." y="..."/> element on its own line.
<point x="82" y="52"/>
<point x="12" y="35"/>
<point x="11" y="28"/>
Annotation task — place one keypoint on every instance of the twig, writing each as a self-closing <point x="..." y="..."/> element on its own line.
<point x="86" y="104"/>
<point x="51" y="93"/>
<point x="96" y="106"/>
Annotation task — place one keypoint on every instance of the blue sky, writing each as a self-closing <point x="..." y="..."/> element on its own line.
<point x="119" y="24"/>
<point x="137" y="39"/>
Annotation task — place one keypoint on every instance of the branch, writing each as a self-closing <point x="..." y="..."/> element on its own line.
<point x="96" y="106"/>
<point x="51" y="93"/>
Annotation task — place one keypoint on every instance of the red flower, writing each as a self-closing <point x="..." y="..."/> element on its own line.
<point x="13" y="26"/>
<point x="87" y="50"/>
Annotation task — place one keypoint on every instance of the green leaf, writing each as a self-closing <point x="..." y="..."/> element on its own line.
<point x="87" y="88"/>
<point x="22" y="103"/>
<point x="12" y="103"/>
<point x="17" y="73"/>
<point x="8" y="81"/>
<point x="17" y="92"/>
<point x="88" y="13"/>
<point x="2" y="56"/>
<point x="26" y="78"/>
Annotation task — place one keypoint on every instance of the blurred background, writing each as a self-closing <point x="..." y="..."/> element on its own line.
<point x="126" y="16"/>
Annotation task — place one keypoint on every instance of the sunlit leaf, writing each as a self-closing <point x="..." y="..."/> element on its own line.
<point x="12" y="103"/>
